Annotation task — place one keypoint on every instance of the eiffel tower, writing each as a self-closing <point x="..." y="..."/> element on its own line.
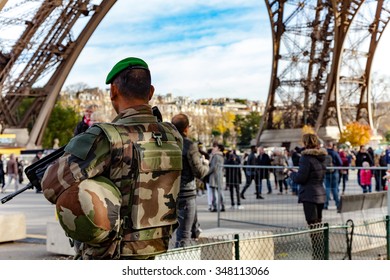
<point x="53" y="33"/>
<point x="323" y="54"/>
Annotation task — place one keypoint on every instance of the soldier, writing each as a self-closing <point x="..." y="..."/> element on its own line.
<point x="132" y="214"/>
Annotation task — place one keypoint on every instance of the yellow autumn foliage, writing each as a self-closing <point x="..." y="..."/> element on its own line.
<point x="356" y="133"/>
<point x="225" y="123"/>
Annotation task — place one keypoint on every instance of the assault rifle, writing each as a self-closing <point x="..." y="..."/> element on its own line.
<point x="35" y="172"/>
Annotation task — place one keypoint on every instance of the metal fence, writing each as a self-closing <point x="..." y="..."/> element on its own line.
<point x="366" y="241"/>
<point x="278" y="229"/>
<point x="282" y="210"/>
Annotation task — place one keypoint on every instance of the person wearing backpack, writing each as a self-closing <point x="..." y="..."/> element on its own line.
<point x="332" y="159"/>
<point x="116" y="186"/>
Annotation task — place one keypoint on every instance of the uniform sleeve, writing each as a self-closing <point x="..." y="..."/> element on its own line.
<point x="86" y="156"/>
<point x="198" y="168"/>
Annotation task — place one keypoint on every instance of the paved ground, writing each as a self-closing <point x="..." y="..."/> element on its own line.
<point x="275" y="211"/>
<point x="39" y="211"/>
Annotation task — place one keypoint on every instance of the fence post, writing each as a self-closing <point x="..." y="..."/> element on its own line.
<point x="237" y="246"/>
<point x="388" y="237"/>
<point x="326" y="241"/>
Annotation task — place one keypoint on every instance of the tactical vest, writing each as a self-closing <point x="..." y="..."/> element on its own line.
<point x="146" y="165"/>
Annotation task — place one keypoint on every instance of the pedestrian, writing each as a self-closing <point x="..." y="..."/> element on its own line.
<point x="263" y="160"/>
<point x="233" y="179"/>
<point x="332" y="175"/>
<point x="295" y="157"/>
<point x="202" y="183"/>
<point x="2" y="173"/>
<point x="365" y="177"/>
<point x="280" y="173"/>
<point x="310" y="177"/>
<point x="115" y="188"/>
<point x="343" y="172"/>
<point x="382" y="163"/>
<point x="37" y="157"/>
<point x="20" y="164"/>
<point x="216" y="177"/>
<point x="361" y="156"/>
<point x="251" y="173"/>
<point x="12" y="172"/>
<point x="85" y="122"/>
<point x="193" y="167"/>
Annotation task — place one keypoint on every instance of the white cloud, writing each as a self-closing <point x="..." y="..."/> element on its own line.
<point x="194" y="48"/>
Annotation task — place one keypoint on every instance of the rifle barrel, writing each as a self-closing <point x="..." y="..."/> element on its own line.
<point x="12" y="195"/>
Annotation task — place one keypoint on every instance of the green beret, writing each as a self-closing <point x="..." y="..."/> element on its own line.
<point x="130" y="62"/>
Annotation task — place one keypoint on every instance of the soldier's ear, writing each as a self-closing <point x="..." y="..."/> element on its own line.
<point x="151" y="92"/>
<point x="113" y="91"/>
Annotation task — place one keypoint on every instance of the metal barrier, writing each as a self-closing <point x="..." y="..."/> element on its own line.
<point x="282" y="210"/>
<point x="321" y="242"/>
<point x="275" y="227"/>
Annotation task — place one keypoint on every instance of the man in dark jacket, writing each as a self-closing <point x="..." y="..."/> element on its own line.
<point x="264" y="160"/>
<point x="251" y="174"/>
<point x="332" y="176"/>
<point x="193" y="167"/>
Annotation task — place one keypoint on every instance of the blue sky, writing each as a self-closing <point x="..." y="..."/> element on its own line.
<point x="194" y="48"/>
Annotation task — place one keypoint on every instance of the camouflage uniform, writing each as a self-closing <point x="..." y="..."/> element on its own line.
<point x="145" y="229"/>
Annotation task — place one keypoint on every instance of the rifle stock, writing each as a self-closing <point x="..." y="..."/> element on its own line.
<point x="35" y="172"/>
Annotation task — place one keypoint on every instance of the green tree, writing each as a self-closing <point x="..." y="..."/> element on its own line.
<point x="247" y="127"/>
<point x="61" y="125"/>
<point x="387" y="136"/>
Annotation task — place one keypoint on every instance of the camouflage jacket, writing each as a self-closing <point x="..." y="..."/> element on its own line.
<point x="89" y="155"/>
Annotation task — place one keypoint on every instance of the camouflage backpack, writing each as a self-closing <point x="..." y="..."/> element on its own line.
<point x="133" y="213"/>
<point x="146" y="167"/>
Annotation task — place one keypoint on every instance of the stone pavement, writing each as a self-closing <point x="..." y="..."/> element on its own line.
<point x="39" y="212"/>
<point x="278" y="210"/>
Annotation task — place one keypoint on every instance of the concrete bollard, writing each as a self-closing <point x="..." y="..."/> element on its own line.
<point x="12" y="227"/>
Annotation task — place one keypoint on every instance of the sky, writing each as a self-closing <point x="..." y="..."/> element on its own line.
<point x="194" y="48"/>
<point x="199" y="49"/>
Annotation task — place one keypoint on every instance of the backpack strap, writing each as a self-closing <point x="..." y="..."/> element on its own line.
<point x="117" y="152"/>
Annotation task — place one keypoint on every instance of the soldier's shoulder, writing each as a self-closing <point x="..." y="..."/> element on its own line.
<point x="81" y="144"/>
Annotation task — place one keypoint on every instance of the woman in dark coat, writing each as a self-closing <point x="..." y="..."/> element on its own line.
<point x="312" y="194"/>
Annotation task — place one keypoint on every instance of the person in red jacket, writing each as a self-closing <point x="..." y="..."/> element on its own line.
<point x="365" y="177"/>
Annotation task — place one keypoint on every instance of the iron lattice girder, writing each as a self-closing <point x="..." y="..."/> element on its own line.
<point x="48" y="52"/>
<point x="302" y="35"/>
<point x="45" y="48"/>
<point x="308" y="57"/>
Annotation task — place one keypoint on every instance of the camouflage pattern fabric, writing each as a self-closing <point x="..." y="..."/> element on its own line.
<point x="143" y="159"/>
<point x="89" y="211"/>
